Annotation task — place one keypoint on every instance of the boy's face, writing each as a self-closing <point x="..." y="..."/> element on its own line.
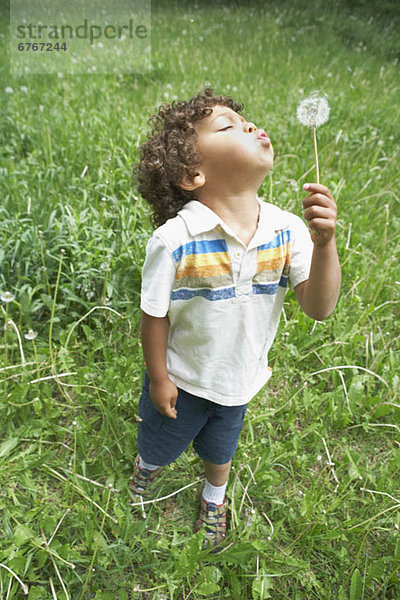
<point x="233" y="150"/>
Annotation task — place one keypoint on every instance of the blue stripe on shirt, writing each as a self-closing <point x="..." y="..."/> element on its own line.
<point x="282" y="238"/>
<point x="269" y="288"/>
<point x="208" y="294"/>
<point x="199" y="247"/>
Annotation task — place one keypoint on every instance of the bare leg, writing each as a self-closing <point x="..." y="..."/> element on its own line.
<point x="217" y="474"/>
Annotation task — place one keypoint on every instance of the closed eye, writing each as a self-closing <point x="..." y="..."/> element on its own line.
<point x="227" y="127"/>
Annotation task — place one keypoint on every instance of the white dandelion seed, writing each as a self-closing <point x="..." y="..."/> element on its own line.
<point x="7" y="297"/>
<point x="313" y="112"/>
<point x="31" y="335"/>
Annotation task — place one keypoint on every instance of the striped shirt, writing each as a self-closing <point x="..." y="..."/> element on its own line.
<point x="223" y="298"/>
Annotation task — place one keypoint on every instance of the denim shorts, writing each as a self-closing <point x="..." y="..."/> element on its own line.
<point x="214" y="429"/>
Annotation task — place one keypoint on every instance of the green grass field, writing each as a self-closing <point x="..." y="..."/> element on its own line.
<point x="315" y="492"/>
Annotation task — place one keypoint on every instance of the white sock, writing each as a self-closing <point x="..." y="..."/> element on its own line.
<point x="214" y="493"/>
<point x="148" y="466"/>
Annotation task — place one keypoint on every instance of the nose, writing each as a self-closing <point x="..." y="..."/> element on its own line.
<point x="250" y="127"/>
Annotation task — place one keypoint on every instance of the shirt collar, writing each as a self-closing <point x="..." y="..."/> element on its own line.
<point x="200" y="219"/>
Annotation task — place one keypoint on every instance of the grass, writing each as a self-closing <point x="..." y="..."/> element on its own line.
<point x="314" y="492"/>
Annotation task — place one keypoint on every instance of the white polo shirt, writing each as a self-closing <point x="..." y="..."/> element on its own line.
<point x="223" y="299"/>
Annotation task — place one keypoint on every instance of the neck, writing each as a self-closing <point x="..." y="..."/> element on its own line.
<point x="239" y="211"/>
<point x="236" y="210"/>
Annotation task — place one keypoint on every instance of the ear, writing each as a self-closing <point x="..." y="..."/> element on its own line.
<point x="189" y="184"/>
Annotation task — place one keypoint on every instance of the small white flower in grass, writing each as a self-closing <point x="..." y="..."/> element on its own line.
<point x="7" y="297"/>
<point x="9" y="90"/>
<point x="314" y="112"/>
<point x="31" y="335"/>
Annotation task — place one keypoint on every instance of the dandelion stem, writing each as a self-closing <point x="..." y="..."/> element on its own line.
<point x="11" y="322"/>
<point x="53" y="308"/>
<point x="36" y="358"/>
<point x="22" y="584"/>
<point x="5" y="348"/>
<point x="55" y="565"/>
<point x="46" y="279"/>
<point x="89" y="572"/>
<point x="314" y="130"/>
<point x="86" y="315"/>
<point x="166" y="497"/>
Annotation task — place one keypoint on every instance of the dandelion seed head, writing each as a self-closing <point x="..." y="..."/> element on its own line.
<point x="31" y="335"/>
<point x="7" y="297"/>
<point x="313" y="111"/>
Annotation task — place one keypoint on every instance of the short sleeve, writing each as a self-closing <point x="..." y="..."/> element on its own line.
<point x="158" y="275"/>
<point x="301" y="254"/>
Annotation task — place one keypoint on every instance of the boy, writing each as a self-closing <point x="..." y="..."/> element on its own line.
<point x="213" y="284"/>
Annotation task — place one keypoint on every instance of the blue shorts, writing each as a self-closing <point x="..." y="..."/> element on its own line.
<point x="214" y="429"/>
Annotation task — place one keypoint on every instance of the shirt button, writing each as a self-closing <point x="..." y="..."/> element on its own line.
<point x="238" y="254"/>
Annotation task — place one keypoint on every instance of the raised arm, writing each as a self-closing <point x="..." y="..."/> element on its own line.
<point x="319" y="294"/>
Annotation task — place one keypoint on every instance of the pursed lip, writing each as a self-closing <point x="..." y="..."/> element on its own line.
<point x="261" y="135"/>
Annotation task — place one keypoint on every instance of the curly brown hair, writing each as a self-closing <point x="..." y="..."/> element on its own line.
<point x="170" y="153"/>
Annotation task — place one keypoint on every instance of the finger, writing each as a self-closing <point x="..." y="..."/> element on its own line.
<point x="317" y="187"/>
<point x="171" y="412"/>
<point x="168" y="411"/>
<point x="320" y="212"/>
<point x="318" y="198"/>
<point x="324" y="225"/>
